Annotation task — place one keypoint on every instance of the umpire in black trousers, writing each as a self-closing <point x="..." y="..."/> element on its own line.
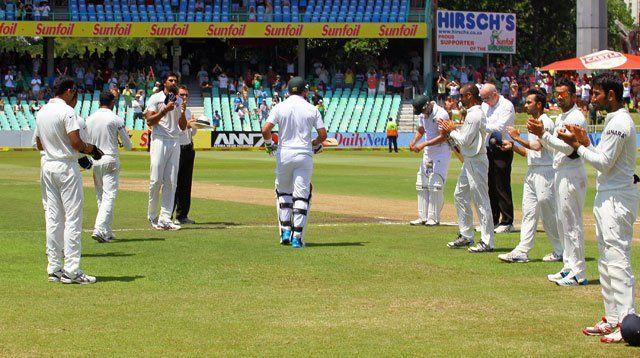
<point x="500" y="115"/>
<point x="182" y="202"/>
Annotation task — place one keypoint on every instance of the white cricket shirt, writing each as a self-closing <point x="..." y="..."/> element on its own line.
<point x="499" y="117"/>
<point x="561" y="149"/>
<point x="615" y="155"/>
<point x="296" y="119"/>
<point x="187" y="134"/>
<point x="543" y="157"/>
<point x="168" y="125"/>
<point x="103" y="128"/>
<point x="470" y="137"/>
<point x="53" y="124"/>
<point x="432" y="130"/>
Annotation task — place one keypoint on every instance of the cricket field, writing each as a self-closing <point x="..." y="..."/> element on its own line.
<point x="366" y="284"/>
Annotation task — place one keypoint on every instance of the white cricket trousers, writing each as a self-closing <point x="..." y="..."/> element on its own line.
<point x="43" y="188"/>
<point x="165" y="159"/>
<point x="430" y="185"/>
<point x="615" y="212"/>
<point x="293" y="178"/>
<point x="539" y="199"/>
<point x="473" y="184"/>
<point x="571" y="188"/>
<point x="63" y="185"/>
<point x="105" y="179"/>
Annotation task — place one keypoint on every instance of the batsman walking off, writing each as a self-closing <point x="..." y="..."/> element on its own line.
<point x="296" y="118"/>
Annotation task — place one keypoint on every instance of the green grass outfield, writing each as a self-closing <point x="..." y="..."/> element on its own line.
<point x="226" y="287"/>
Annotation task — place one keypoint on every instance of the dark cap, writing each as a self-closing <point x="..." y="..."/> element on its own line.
<point x="419" y="102"/>
<point x="630" y="329"/>
<point x="296" y="85"/>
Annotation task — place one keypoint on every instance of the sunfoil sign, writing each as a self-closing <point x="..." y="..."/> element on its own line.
<point x="213" y="29"/>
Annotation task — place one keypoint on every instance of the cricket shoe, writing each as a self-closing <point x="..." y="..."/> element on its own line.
<point x="613" y="337"/>
<point x="479" y="248"/>
<point x="504" y="229"/>
<point x="461" y="241"/>
<point x="552" y="257"/>
<point x="167" y="225"/>
<point x="101" y="238"/>
<point x="431" y="222"/>
<point x="185" y="221"/>
<point x="297" y="242"/>
<point x="557" y="276"/>
<point x="514" y="256"/>
<point x="601" y="328"/>
<point x="81" y="278"/>
<point x="55" y="277"/>
<point x="417" y="222"/>
<point x="285" y="239"/>
<point x="572" y="281"/>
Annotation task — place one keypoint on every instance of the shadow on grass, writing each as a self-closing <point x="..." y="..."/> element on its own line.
<point x="225" y="223"/>
<point x="594" y="282"/>
<point x="118" y="278"/>
<point x="588" y="259"/>
<point x="134" y="240"/>
<point x="108" y="254"/>
<point x="321" y="244"/>
<point x="502" y="249"/>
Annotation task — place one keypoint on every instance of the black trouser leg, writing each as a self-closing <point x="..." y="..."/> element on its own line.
<point x="389" y="141"/>
<point x="500" y="186"/>
<point x="185" y="176"/>
<point x="395" y="144"/>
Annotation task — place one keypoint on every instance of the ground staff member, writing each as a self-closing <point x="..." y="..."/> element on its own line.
<point x="570" y="184"/>
<point x="103" y="128"/>
<point x="296" y="118"/>
<point x="185" y="170"/>
<point x="538" y="194"/>
<point x="57" y="134"/>
<point x="432" y="172"/>
<point x="166" y="117"/>
<point x="616" y="203"/>
<point x="392" y="134"/>
<point x="472" y="183"/>
<point x="500" y="114"/>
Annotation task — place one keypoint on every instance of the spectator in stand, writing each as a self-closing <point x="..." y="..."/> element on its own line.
<point x="1" y="105"/>
<point x="320" y="107"/>
<point x="398" y="81"/>
<point x="585" y="96"/>
<point x="372" y="83"/>
<point x="237" y="102"/>
<point x="626" y="94"/>
<point x="382" y="88"/>
<point x="205" y="86"/>
<point x="454" y="90"/>
<point x="201" y="75"/>
<point x="9" y="84"/>
<point x="241" y="113"/>
<point x="635" y="89"/>
<point x="414" y="75"/>
<point x="442" y="89"/>
<point x="34" y="107"/>
<point x="339" y="77"/>
<point x="277" y="85"/>
<point x="252" y="14"/>
<point x="36" y="83"/>
<point x="348" y="78"/>
<point x="263" y="111"/>
<point x="217" y="118"/>
<point x="276" y="98"/>
<point x="137" y="105"/>
<point x="127" y="94"/>
<point x="223" y="83"/>
<point x="324" y="75"/>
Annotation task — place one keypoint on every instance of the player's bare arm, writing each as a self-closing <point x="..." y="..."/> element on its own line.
<point x="182" y="121"/>
<point x="39" y="144"/>
<point x="416" y="137"/>
<point x="322" y="136"/>
<point x="528" y="144"/>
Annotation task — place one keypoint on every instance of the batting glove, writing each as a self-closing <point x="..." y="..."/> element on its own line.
<point x="96" y="153"/>
<point x="85" y="163"/>
<point x="317" y="148"/>
<point x="270" y="147"/>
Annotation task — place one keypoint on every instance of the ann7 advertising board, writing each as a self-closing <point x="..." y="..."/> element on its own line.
<point x="476" y="32"/>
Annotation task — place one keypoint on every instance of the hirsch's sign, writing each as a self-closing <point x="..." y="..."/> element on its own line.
<point x="476" y="32"/>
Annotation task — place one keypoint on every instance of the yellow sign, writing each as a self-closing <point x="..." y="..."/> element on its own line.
<point x="140" y="139"/>
<point x="212" y="30"/>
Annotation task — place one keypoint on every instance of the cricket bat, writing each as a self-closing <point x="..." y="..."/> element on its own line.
<point x="330" y="142"/>
<point x="455" y="149"/>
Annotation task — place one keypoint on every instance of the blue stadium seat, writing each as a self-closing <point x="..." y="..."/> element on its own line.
<point x="182" y="16"/>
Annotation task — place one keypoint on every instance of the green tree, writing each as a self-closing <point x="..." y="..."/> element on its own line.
<point x="617" y="10"/>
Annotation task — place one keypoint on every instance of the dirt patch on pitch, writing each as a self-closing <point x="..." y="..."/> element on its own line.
<point x="360" y="208"/>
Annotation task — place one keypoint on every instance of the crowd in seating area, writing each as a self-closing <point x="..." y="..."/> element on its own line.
<point x="26" y="10"/>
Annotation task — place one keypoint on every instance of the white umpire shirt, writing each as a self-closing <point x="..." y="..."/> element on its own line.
<point x="499" y="117"/>
<point x="168" y="125"/>
<point x="432" y="130"/>
<point x="53" y="124"/>
<point x="470" y="137"/>
<point x="186" y="136"/>
<point x="563" y="150"/>
<point x="543" y="157"/>
<point x="615" y="155"/>
<point x="103" y="128"/>
<point x="296" y="119"/>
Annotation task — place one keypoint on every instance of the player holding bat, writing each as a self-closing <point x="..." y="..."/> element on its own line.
<point x="432" y="172"/>
<point x="296" y="119"/>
